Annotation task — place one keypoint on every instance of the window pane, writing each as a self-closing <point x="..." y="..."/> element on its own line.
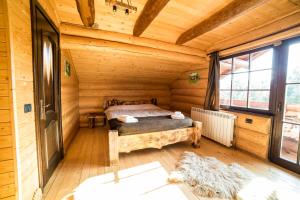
<point x="241" y="63"/>
<point x="259" y="100"/>
<point x="292" y="103"/>
<point x="289" y="142"/>
<point x="225" y="81"/>
<point x="240" y="81"/>
<point x="239" y="98"/>
<point x="261" y="59"/>
<point x="293" y="72"/>
<point x="260" y="79"/>
<point x="225" y="66"/>
<point x="225" y="98"/>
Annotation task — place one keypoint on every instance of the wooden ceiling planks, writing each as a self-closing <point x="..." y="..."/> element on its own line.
<point x="271" y="11"/>
<point x="232" y="10"/>
<point x="150" y="11"/>
<point x="107" y="66"/>
<point x="105" y="18"/>
<point x="177" y="17"/>
<point x="109" y="52"/>
<point x="180" y="15"/>
<point x="76" y="30"/>
<point x="85" y="43"/>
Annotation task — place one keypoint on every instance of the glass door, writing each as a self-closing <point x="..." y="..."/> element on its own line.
<point x="286" y="148"/>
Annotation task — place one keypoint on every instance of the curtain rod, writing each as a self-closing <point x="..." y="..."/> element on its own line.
<point x="262" y="37"/>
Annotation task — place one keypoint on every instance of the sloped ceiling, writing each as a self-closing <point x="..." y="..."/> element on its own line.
<point x="175" y="18"/>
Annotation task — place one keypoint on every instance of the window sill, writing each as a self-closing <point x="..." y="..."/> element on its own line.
<point x="247" y="111"/>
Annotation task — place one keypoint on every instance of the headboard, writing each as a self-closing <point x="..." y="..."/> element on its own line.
<point x="113" y="101"/>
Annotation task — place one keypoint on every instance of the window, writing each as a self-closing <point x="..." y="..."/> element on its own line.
<point x="245" y="80"/>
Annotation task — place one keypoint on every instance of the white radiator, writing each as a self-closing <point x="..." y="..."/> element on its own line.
<point x="218" y="126"/>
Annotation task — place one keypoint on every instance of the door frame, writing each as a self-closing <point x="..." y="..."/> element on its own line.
<point x="34" y="6"/>
<point x="281" y="72"/>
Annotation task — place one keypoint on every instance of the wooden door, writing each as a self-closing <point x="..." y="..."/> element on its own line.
<point x="47" y="93"/>
<point x="286" y="148"/>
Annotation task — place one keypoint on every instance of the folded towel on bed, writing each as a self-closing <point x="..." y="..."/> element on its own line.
<point x="177" y="115"/>
<point x="127" y="119"/>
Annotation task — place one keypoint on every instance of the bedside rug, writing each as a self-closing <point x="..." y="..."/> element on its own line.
<point x="210" y="177"/>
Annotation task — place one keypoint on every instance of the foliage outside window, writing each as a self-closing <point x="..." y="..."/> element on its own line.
<point x="245" y="80"/>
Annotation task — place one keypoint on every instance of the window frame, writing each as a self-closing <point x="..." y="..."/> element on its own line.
<point x="272" y="98"/>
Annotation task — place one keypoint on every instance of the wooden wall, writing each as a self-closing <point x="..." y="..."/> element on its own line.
<point x="185" y="94"/>
<point x="92" y="94"/>
<point x="19" y="24"/>
<point x="69" y="100"/>
<point x="22" y="90"/>
<point x="7" y="143"/>
<point x="253" y="138"/>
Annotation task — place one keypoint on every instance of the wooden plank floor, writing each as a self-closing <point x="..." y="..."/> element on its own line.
<point x="85" y="170"/>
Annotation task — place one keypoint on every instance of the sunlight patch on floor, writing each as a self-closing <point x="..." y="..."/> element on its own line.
<point x="260" y="188"/>
<point x="148" y="181"/>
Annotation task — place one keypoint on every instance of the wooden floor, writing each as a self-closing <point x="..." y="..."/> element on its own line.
<point x="84" y="174"/>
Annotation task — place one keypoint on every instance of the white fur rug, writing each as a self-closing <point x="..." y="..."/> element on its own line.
<point x="210" y="177"/>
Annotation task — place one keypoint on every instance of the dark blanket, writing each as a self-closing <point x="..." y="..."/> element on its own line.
<point x="149" y="124"/>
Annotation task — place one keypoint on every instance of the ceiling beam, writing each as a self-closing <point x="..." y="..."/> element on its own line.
<point x="86" y="9"/>
<point x="269" y="28"/>
<point x="85" y="43"/>
<point x="296" y="2"/>
<point x="229" y="12"/>
<point x="150" y="11"/>
<point x="76" y="30"/>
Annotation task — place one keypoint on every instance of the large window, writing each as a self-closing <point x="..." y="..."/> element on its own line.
<point x="245" y="80"/>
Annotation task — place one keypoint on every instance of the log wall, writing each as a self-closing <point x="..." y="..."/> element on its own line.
<point x="92" y="95"/>
<point x="22" y="91"/>
<point x="7" y="143"/>
<point x="69" y="100"/>
<point x="185" y="94"/>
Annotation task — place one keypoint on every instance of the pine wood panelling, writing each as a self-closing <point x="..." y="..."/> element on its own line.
<point x="5" y="129"/>
<point x="6" y="178"/>
<point x="69" y="100"/>
<point x="187" y="14"/>
<point x="185" y="95"/>
<point x="92" y="95"/>
<point x="232" y="10"/>
<point x="150" y="11"/>
<point x="19" y="25"/>
<point x="7" y="191"/>
<point x="7" y="166"/>
<point x="282" y="23"/>
<point x="7" y="153"/>
<point x="71" y="29"/>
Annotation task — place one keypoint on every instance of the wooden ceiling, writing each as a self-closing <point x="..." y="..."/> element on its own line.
<point x="178" y="16"/>
<point x="174" y="18"/>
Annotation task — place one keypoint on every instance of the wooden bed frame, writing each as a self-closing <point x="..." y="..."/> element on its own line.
<point x="127" y="143"/>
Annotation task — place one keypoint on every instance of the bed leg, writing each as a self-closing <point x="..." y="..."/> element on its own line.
<point x="197" y="133"/>
<point x="113" y="145"/>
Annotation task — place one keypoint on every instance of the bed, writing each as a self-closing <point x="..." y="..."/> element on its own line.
<point x="154" y="129"/>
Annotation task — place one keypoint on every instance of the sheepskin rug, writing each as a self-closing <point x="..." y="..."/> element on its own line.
<point x="210" y="177"/>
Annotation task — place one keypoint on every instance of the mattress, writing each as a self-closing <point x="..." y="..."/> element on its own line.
<point x="150" y="124"/>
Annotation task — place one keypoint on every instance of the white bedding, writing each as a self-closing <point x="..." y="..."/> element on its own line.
<point x="142" y="110"/>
